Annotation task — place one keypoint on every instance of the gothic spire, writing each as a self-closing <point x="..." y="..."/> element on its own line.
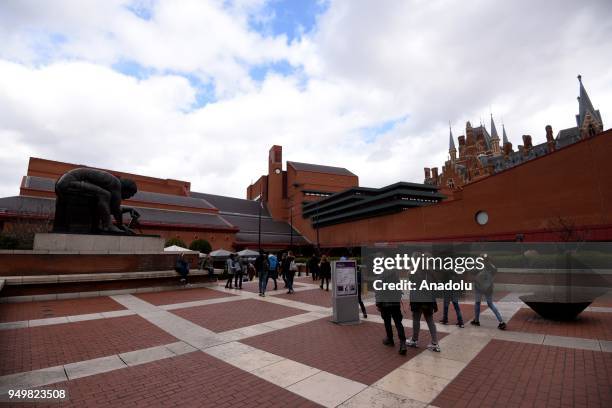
<point x="494" y="135"/>
<point x="584" y="105"/>
<point x="451" y="141"/>
<point x="505" y="138"/>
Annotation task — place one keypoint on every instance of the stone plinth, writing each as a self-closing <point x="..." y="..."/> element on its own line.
<point x="132" y="244"/>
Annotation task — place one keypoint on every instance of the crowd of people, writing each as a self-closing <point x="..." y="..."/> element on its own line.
<point x="424" y="304"/>
<point x="269" y="266"/>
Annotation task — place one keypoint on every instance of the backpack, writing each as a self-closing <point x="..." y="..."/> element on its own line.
<point x="273" y="262"/>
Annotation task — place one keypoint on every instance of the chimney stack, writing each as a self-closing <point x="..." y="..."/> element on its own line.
<point x="527" y="142"/>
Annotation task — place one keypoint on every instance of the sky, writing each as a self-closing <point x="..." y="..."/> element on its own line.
<point x="199" y="90"/>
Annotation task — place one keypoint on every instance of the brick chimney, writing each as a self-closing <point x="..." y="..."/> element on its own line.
<point x="434" y="173"/>
<point x="427" y="173"/>
<point x="507" y="148"/>
<point x="550" y="139"/>
<point x="527" y="142"/>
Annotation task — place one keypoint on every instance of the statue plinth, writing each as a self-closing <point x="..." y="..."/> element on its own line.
<point x="93" y="243"/>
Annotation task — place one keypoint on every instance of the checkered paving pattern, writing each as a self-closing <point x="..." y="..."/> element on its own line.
<point x="46" y="346"/>
<point x="506" y="374"/>
<point x="181" y="296"/>
<point x="315" y="297"/>
<point x="589" y="325"/>
<point x="191" y="380"/>
<point x="13" y="312"/>
<point x="221" y="317"/>
<point x="355" y="352"/>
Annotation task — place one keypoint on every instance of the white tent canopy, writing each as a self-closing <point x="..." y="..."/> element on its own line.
<point x="248" y="252"/>
<point x="220" y="253"/>
<point x="176" y="248"/>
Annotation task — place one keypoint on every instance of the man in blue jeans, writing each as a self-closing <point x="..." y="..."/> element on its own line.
<point x="483" y="285"/>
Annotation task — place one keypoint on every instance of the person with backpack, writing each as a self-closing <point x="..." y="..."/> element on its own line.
<point x="483" y="285"/>
<point x="229" y="266"/>
<point x="273" y="269"/>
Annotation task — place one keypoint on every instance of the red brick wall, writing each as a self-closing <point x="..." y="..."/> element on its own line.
<point x="572" y="183"/>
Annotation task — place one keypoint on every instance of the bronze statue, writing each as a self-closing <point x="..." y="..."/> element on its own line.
<point x="86" y="199"/>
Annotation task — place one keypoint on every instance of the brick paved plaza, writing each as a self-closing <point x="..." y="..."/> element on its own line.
<point x="216" y="347"/>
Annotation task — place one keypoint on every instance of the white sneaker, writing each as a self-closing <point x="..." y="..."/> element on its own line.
<point x="412" y="343"/>
<point x="434" y="347"/>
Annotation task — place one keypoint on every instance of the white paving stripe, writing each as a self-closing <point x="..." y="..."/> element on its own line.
<point x="52" y="375"/>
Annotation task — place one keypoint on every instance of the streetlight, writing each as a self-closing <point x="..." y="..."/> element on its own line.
<point x="259" y="219"/>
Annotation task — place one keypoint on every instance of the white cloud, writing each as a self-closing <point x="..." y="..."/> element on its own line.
<point x="365" y="63"/>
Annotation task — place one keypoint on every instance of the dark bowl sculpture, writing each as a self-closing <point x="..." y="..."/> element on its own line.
<point x="562" y="303"/>
<point x="554" y="309"/>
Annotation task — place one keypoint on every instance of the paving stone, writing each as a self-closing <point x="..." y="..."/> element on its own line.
<point x="147" y="355"/>
<point x="377" y="398"/>
<point x="92" y="367"/>
<point x="327" y="389"/>
<point x="285" y="372"/>
<point x="32" y="379"/>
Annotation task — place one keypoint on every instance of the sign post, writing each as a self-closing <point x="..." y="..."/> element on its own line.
<point x="344" y="294"/>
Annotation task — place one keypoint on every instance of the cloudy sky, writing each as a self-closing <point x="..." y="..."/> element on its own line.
<point x="199" y="90"/>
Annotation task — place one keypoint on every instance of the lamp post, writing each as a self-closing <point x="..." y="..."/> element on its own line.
<point x="259" y="219"/>
<point x="317" y="221"/>
<point x="291" y="224"/>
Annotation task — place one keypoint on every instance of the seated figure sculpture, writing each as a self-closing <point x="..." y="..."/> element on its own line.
<point x="86" y="199"/>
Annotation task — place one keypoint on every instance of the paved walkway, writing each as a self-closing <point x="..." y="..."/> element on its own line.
<point x="219" y="347"/>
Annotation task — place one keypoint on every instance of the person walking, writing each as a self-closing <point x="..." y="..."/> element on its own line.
<point x="451" y="296"/>
<point x="313" y="266"/>
<point x="251" y="272"/>
<point x="273" y="269"/>
<point x="423" y="303"/>
<point x="289" y="269"/>
<point x="483" y="285"/>
<point x="259" y="262"/>
<point x="325" y="271"/>
<point x="388" y="303"/>
<point x="229" y="265"/>
<point x="361" y="305"/>
<point x="282" y="268"/>
<point x="263" y="275"/>
<point x="239" y="268"/>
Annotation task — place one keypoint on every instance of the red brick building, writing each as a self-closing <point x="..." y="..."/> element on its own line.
<point x="168" y="208"/>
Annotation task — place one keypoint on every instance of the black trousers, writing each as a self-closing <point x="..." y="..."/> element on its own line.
<point x="361" y="305"/>
<point x="238" y="280"/>
<point x="394" y="311"/>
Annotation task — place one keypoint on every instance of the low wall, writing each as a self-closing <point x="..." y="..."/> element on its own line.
<point x="33" y="263"/>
